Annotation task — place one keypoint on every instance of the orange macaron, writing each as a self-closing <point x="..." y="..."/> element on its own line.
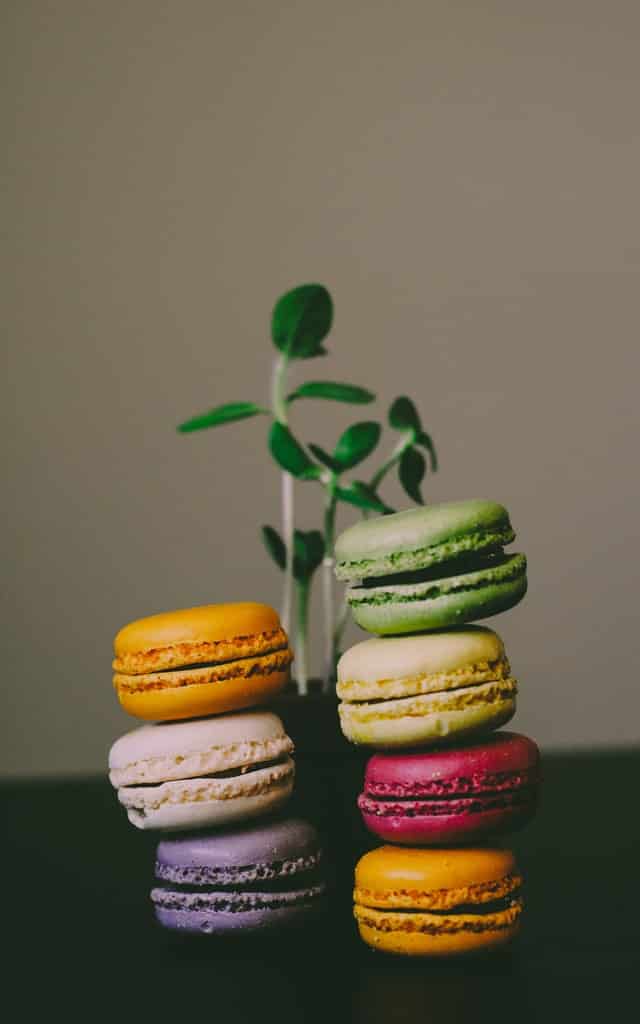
<point x="437" y="902"/>
<point x="201" y="661"/>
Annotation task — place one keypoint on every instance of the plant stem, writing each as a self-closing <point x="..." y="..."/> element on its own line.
<point x="341" y="625"/>
<point x="286" y="483"/>
<point x="327" y="584"/>
<point x="278" y="388"/>
<point x="302" y="609"/>
<point x="394" y="458"/>
<point x="279" y="409"/>
<point x="405" y="442"/>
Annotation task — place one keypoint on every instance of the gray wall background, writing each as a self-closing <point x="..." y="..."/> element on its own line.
<point x="462" y="176"/>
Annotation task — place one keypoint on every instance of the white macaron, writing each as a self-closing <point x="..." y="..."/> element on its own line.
<point x="203" y="773"/>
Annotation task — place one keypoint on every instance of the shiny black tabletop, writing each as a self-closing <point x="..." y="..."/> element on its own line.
<point x="77" y="918"/>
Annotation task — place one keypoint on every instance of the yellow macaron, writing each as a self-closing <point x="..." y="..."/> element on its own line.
<point x="425" y="689"/>
<point x="201" y="661"/>
<point x="437" y="902"/>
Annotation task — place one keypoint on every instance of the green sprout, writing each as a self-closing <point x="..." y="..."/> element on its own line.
<point x="300" y="322"/>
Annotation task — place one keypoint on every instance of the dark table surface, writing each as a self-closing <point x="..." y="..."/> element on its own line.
<point x="77" y="918"/>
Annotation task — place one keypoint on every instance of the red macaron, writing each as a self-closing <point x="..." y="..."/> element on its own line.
<point x="452" y="795"/>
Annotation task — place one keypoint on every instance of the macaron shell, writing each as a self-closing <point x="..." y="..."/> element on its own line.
<point x="238" y="922"/>
<point x="447" y="651"/>
<point x="178" y="750"/>
<point x="420" y="537"/>
<point x="503" y="762"/>
<point x="428" y="721"/>
<point x="392" y="877"/>
<point x="179" y="702"/>
<point x="193" y="675"/>
<point x="211" y="622"/>
<point x="263" y="850"/>
<point x="395" y="609"/>
<point x="389" y="935"/>
<point x="210" y="813"/>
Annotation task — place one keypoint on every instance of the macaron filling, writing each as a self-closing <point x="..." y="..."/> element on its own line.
<point x="192" y="674"/>
<point x="471" y="919"/>
<point x="429" y="718"/>
<point x="428" y="585"/>
<point x="475" y="782"/>
<point x="227" y="773"/>
<point x="214" y="785"/>
<point x="412" y="807"/>
<point x="186" y="900"/>
<point x="422" y="704"/>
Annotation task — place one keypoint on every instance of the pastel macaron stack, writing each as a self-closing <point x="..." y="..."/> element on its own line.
<point x="209" y="762"/>
<point x="427" y="694"/>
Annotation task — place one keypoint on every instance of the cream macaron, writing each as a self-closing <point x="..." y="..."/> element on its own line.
<point x="203" y="773"/>
<point x="425" y="689"/>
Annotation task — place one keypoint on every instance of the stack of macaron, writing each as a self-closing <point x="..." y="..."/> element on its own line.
<point x="215" y="766"/>
<point x="427" y="694"/>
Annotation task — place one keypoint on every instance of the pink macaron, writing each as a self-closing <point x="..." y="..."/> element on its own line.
<point x="452" y="795"/>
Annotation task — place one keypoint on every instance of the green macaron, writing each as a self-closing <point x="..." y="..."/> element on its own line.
<point x="430" y="568"/>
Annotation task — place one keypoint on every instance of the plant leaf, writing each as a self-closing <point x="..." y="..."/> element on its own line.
<point x="356" y="443"/>
<point x="425" y="442"/>
<point x="324" y="457"/>
<point x="333" y="391"/>
<point x="275" y="545"/>
<point x="301" y="319"/>
<point x="221" y="414"/>
<point x="308" y="552"/>
<point x="315" y="547"/>
<point x="289" y="453"/>
<point x="362" y="496"/>
<point x="411" y="470"/>
<point x="370" y="492"/>
<point x="403" y="415"/>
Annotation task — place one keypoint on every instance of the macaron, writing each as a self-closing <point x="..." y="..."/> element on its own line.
<point x="455" y="795"/>
<point x="263" y="877"/>
<point x="437" y="902"/>
<point x="205" y="773"/>
<point x="430" y="567"/>
<point x="201" y="661"/>
<point x="405" y="691"/>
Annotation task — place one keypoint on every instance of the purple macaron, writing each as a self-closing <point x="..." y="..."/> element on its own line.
<point x="453" y="795"/>
<point x="246" y="880"/>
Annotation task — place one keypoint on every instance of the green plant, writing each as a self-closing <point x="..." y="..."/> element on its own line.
<point x="300" y="322"/>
